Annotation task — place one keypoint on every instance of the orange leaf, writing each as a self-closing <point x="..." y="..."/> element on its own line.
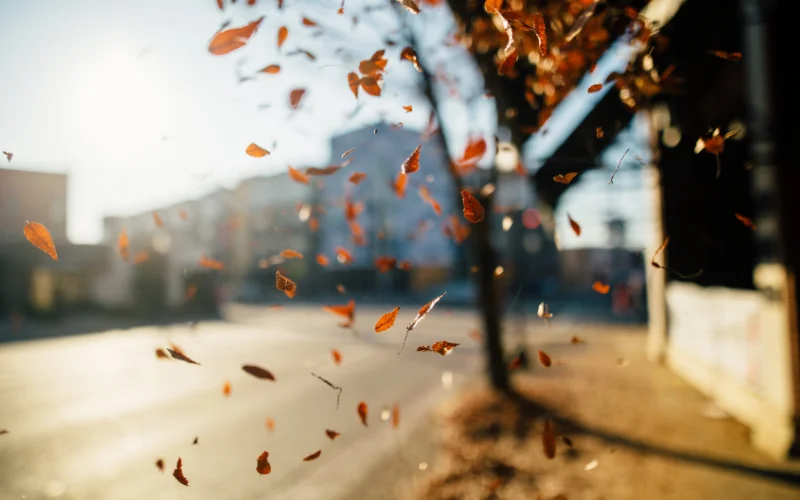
<point x="549" y="440"/>
<point x="395" y="416"/>
<point x="313" y="456"/>
<point x="256" y="151"/>
<point x="270" y="424"/>
<point x="541" y="34"/>
<point x="357" y="177"/>
<point x="323" y="171"/>
<point x="258" y="372"/>
<point x="181" y="356"/>
<point x="272" y="69"/>
<point x="473" y="152"/>
<point x="322" y="260"/>
<point x="387" y="320"/>
<point x="473" y="210"/>
<point x="298" y="176"/>
<point x="371" y="85"/>
<point x="157" y="220"/>
<point x="160" y="464"/>
<point x="353" y="81"/>
<point x="574" y="225"/>
<point x="286" y="285"/>
<point x="400" y="184"/>
<point x="728" y="56"/>
<point x="408" y="108"/>
<point x="337" y="356"/>
<point x="427" y="198"/>
<point x="420" y="316"/>
<point x="40" y="237"/>
<point x="442" y="347"/>
<point x="600" y="287"/>
<point x="332" y="434"/>
<point x="566" y="178"/>
<point x="746" y="221"/>
<point x="219" y="4"/>
<point x="262" y="464"/>
<point x="507" y="66"/>
<point x="411" y="164"/>
<point x="343" y="256"/>
<point x="385" y="264"/>
<point x="226" y="389"/>
<point x="141" y="258"/>
<point x="410" y="6"/>
<point x="178" y="473"/>
<point x="211" y="263"/>
<point x="595" y="88"/>
<point x="544" y="359"/>
<point x="409" y="54"/>
<point x="373" y="66"/>
<point x="308" y="22"/>
<point x="295" y="96"/>
<point x="291" y="254"/>
<point x="283" y="32"/>
<point x="348" y="311"/>
<point x="576" y="340"/>
<point x="404" y="265"/>
<point x="161" y="354"/>
<point x="348" y="152"/>
<point x="362" y="412"/>
<point x="232" y="39"/>
<point x="492" y="5"/>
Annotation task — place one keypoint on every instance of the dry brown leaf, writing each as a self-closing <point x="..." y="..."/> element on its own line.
<point x="182" y="357"/>
<point x="408" y="108"/>
<point x="574" y="225"/>
<point x="159" y="463"/>
<point x="442" y="347"/>
<point x="298" y="176"/>
<point x="322" y="260"/>
<point x="544" y="359"/>
<point x="161" y="354"/>
<point x="411" y="164"/>
<point x="40" y="237"/>
<point x="330" y="170"/>
<point x="332" y="434"/>
<point x="256" y="151"/>
<point x="313" y="456"/>
<point x="395" y="416"/>
<point x="353" y="81"/>
<point x="262" y="464"/>
<point x="506" y="68"/>
<point x="178" y="473"/>
<point x="400" y="184"/>
<point x="272" y="69"/>
<point x="595" y="88"/>
<point x="291" y="254"/>
<point x="295" y="96"/>
<point x="357" y="177"/>
<point x="473" y="210"/>
<point x="427" y="198"/>
<point x="371" y="85"/>
<point x="283" y="32"/>
<point x="387" y="320"/>
<point x="337" y="356"/>
<point x="410" y="6"/>
<point x="362" y="412"/>
<point x="728" y="56"/>
<point x="258" y="372"/>
<point x="541" y="33"/>
<point x="565" y="178"/>
<point x="308" y="22"/>
<point x="549" y="440"/>
<point x="409" y="54"/>
<point x="232" y="39"/>
<point x="746" y="221"/>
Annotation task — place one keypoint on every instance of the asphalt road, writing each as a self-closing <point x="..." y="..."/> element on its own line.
<point x="88" y="415"/>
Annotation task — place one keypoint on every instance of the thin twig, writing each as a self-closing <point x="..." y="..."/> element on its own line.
<point x="332" y="386"/>
<point x="611" y="181"/>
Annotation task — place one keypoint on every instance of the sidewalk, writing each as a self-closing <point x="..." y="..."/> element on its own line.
<point x="637" y="432"/>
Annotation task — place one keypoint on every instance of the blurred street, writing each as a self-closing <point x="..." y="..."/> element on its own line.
<point x="89" y="415"/>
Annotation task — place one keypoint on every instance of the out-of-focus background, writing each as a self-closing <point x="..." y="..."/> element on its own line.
<point x="171" y="155"/>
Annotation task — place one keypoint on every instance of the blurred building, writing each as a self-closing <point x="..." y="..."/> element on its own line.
<point x="30" y="281"/>
<point x="405" y="228"/>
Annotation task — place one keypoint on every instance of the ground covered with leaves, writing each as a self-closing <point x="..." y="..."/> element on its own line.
<point x="624" y="429"/>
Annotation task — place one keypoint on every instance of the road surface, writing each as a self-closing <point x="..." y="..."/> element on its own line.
<point x="88" y="415"/>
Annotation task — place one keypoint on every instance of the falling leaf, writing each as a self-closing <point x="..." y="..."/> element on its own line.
<point x="371" y="85"/>
<point x="340" y="288"/>
<point x="195" y="440"/>
<point x="409" y="54"/>
<point x="410" y="6"/>
<point x="332" y="386"/>
<point x="295" y="96"/>
<point x="600" y="287"/>
<point x="313" y="456"/>
<point x="427" y="198"/>
<point x="442" y="347"/>
<point x="595" y="88"/>
<point x="404" y="265"/>
<point x="362" y="412"/>
<point x="385" y="264"/>
<point x="567" y="441"/>
<point x="298" y="176"/>
<point x="375" y="65"/>
<point x="157" y="220"/>
<point x="473" y="210"/>
<point x="515" y="363"/>
<point x="473" y="152"/>
<point x="262" y="464"/>
<point x="182" y="357"/>
<point x="332" y="434"/>
<point x="343" y="255"/>
<point x="395" y="416"/>
<point x="283" y="32"/>
<point x="549" y="440"/>
<point x="323" y="171"/>
<point x="270" y="423"/>
<point x="286" y="285"/>
<point x="574" y="225"/>
<point x="544" y="359"/>
<point x="256" y="151"/>
<point x="322" y="260"/>
<point x="400" y="184"/>
<point x="178" y="473"/>
<point x="8" y="155"/>
<point x="387" y="320"/>
<point x="728" y="56"/>
<point x="141" y="257"/>
<point x="411" y="164"/>
<point x="408" y="108"/>
<point x="566" y="178"/>
<point x="258" y="372"/>
<point x="348" y="311"/>
<point x="420" y="316"/>
<point x="746" y="221"/>
<point x="658" y="251"/>
<point x="272" y="69"/>
<point x="580" y="22"/>
<point x="308" y="22"/>
<point x="232" y="39"/>
<point x="357" y="177"/>
<point x="210" y="263"/>
<point x="506" y="68"/>
<point x="544" y="311"/>
<point x="341" y="9"/>
<point x="191" y="290"/>
<point x="353" y="81"/>
<point x="291" y="254"/>
<point x="159" y="462"/>
<point x="598" y="132"/>
<point x="576" y="340"/>
<point x="337" y="356"/>
<point x="541" y="33"/>
<point x="40" y="237"/>
<point x="161" y="354"/>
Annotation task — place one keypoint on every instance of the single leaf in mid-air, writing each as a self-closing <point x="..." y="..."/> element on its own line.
<point x="362" y="412"/>
<point x="473" y="210"/>
<point x="411" y="164"/>
<point x="232" y="39"/>
<point x="40" y="237"/>
<point x="256" y="151"/>
<point x="262" y="464"/>
<point x="178" y="473"/>
<point x="258" y="372"/>
<point x="313" y="456"/>
<point x="549" y="440"/>
<point x="387" y="320"/>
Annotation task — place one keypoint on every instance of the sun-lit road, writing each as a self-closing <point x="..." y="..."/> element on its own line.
<point x="89" y="415"/>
